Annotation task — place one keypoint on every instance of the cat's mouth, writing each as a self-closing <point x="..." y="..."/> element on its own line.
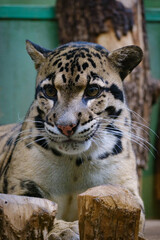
<point x="72" y="147"/>
<point x="70" y="144"/>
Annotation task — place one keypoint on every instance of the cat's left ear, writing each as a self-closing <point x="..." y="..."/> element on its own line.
<point x="125" y="59"/>
<point x="37" y="53"/>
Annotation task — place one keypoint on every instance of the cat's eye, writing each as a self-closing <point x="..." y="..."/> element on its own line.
<point x="50" y="91"/>
<point x="92" y="91"/>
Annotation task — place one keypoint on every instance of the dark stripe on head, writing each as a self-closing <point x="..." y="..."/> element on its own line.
<point x="51" y="76"/>
<point x="64" y="78"/>
<point x="78" y="66"/>
<point x="96" y="55"/>
<point x="92" y="62"/>
<point x="94" y="75"/>
<point x="56" y="62"/>
<point x="117" y="93"/>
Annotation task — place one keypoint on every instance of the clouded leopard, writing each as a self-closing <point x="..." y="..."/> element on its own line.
<point x="77" y="132"/>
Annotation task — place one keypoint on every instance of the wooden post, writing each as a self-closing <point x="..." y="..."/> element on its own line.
<point x="108" y="212"/>
<point x="25" y="217"/>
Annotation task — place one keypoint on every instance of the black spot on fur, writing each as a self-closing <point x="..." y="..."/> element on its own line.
<point x="104" y="155"/>
<point x="82" y="55"/>
<point x="118" y="145"/>
<point x="9" y="141"/>
<point x="72" y="68"/>
<point x="117" y="133"/>
<point x="117" y="148"/>
<point x="77" y="78"/>
<point x="96" y="55"/>
<point x="64" y="78"/>
<point x="39" y="123"/>
<point x="56" y="62"/>
<point x="112" y="112"/>
<point x="42" y="142"/>
<point x="94" y="75"/>
<point x="5" y="185"/>
<point x="31" y="189"/>
<point x="92" y="62"/>
<point x="88" y="55"/>
<point x="51" y="76"/>
<point x="59" y="64"/>
<point x="78" y="66"/>
<point x="88" y="78"/>
<point x="56" y="152"/>
<point x="4" y="169"/>
<point x="79" y="161"/>
<point x="85" y="65"/>
<point x="114" y="130"/>
<point x="85" y="49"/>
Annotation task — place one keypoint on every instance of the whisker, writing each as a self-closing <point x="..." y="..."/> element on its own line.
<point x="35" y="141"/>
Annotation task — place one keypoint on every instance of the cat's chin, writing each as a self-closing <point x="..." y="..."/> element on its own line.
<point x="73" y="147"/>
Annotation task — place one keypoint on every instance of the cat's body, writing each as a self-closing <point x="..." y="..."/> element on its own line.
<point x="77" y="132"/>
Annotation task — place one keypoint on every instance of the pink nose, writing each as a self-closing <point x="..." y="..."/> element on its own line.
<point x="67" y="130"/>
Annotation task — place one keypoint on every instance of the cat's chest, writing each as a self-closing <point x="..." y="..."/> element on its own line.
<point x="67" y="176"/>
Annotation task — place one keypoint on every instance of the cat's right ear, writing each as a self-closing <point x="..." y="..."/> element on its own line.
<point x="37" y="53"/>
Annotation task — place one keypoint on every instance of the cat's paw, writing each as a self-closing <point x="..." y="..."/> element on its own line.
<point x="64" y="231"/>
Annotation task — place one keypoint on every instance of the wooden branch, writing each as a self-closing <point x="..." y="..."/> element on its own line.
<point x="108" y="212"/>
<point x="77" y="21"/>
<point x="155" y="87"/>
<point x="25" y="217"/>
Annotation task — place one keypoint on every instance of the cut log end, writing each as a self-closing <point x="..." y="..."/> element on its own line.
<point x="25" y="217"/>
<point x="108" y="212"/>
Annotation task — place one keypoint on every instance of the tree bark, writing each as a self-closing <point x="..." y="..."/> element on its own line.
<point x="157" y="166"/>
<point x="25" y="218"/>
<point x="114" y="24"/>
<point x="108" y="212"/>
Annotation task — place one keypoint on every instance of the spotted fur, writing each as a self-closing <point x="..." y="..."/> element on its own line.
<point x="74" y="135"/>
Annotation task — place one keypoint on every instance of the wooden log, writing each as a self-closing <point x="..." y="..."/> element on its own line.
<point x="25" y="217"/>
<point x="108" y="212"/>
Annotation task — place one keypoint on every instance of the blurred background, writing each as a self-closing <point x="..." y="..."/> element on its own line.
<point x="36" y="20"/>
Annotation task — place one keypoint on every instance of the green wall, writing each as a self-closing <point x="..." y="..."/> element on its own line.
<point x="17" y="78"/>
<point x="29" y="2"/>
<point x="152" y="207"/>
